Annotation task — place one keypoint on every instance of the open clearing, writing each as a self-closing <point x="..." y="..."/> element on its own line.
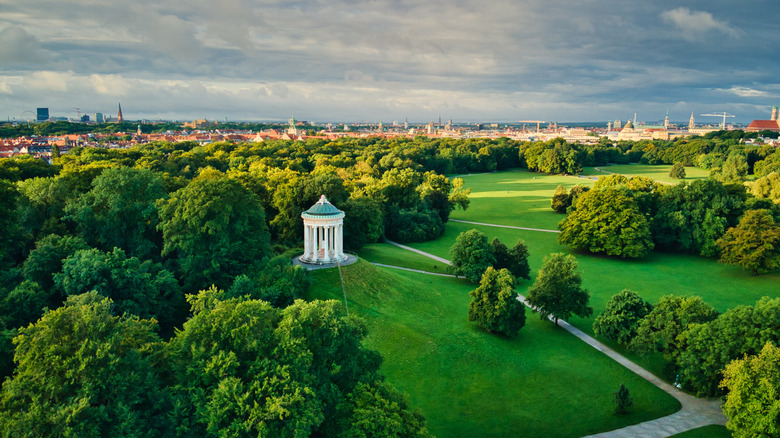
<point x="544" y="382"/>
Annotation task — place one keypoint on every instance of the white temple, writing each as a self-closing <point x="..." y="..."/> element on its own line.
<point x="323" y="234"/>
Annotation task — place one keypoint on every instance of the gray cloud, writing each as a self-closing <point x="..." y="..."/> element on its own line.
<point x="389" y="59"/>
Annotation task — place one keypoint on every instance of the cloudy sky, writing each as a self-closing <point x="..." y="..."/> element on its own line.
<point x="336" y="60"/>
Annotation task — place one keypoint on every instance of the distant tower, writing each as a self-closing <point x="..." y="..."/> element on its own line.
<point x="666" y="120"/>
<point x="406" y="123"/>
<point x="139" y="130"/>
<point x="292" y="130"/>
<point x="119" y="117"/>
<point x="618" y="124"/>
<point x="609" y="126"/>
<point x="381" y="127"/>
<point x="430" y="128"/>
<point x="691" y="123"/>
<point x="774" y="113"/>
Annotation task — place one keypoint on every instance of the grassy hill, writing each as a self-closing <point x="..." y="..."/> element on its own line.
<point x="470" y="383"/>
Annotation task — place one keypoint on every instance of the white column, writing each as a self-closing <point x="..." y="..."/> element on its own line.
<point x="327" y="244"/>
<point x="339" y="240"/>
<point x="305" y="241"/>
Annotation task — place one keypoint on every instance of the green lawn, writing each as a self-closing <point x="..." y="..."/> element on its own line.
<point x="467" y="382"/>
<point x="711" y="431"/>
<point x="723" y="286"/>
<point x="659" y="172"/>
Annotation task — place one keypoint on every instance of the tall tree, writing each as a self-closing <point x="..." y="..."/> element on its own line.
<point x="120" y="211"/>
<point x="752" y="403"/>
<point x="470" y="255"/>
<point x="494" y="304"/>
<point x="81" y="371"/>
<point x="607" y="221"/>
<point x="672" y="315"/>
<point x="141" y="288"/>
<point x="214" y="229"/>
<point x="557" y="291"/>
<point x="754" y="244"/>
<point x="677" y="171"/>
<point x="620" y="319"/>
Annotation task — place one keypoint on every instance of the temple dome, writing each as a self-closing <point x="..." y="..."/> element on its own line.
<point x="323" y="208"/>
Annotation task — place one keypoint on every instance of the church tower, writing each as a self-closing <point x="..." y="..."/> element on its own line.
<point x="692" y="123"/>
<point x="666" y="120"/>
<point x="119" y="117"/>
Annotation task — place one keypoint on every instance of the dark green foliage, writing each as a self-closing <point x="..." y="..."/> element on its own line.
<point x="754" y="244"/>
<point x="623" y="400"/>
<point x="25" y="304"/>
<point x="141" y="288"/>
<point x="554" y="157"/>
<point x="470" y="255"/>
<point x="242" y="366"/>
<point x="214" y="229"/>
<point x="46" y="259"/>
<point x="620" y="319"/>
<point x="417" y="224"/>
<point x="706" y="349"/>
<point x="514" y="260"/>
<point x="691" y="217"/>
<point x="557" y="292"/>
<point x="42" y="205"/>
<point x="752" y="385"/>
<point x="672" y="315"/>
<point x="278" y="281"/>
<point x="119" y="211"/>
<point x="494" y="304"/>
<point x="677" y="171"/>
<point x="24" y="167"/>
<point x="607" y="221"/>
<point x="363" y="222"/>
<point x="83" y="372"/>
<point x="767" y="187"/>
<point x="378" y="410"/>
<point x="10" y="245"/>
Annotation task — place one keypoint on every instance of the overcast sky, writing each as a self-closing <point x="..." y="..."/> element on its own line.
<point x="386" y="60"/>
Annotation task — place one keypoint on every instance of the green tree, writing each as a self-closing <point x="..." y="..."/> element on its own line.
<point x="10" y="244"/>
<point x="620" y="319"/>
<point x="754" y="244"/>
<point x="677" y="171"/>
<point x="734" y="170"/>
<point x="378" y="410"/>
<point x="120" y="211"/>
<point x="81" y="371"/>
<point x="470" y="255"/>
<point x="46" y="259"/>
<point x="752" y="384"/>
<point x="623" y="400"/>
<point x="607" y="221"/>
<point x="706" y="349"/>
<point x="141" y="288"/>
<point x="672" y="315"/>
<point x="767" y="187"/>
<point x="494" y="304"/>
<point x="557" y="291"/>
<point x="518" y="261"/>
<point x="214" y="229"/>
<point x="560" y="200"/>
<point x="363" y="222"/>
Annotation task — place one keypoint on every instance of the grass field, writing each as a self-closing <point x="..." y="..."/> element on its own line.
<point x="722" y="286"/>
<point x="544" y="382"/>
<point x="658" y="172"/>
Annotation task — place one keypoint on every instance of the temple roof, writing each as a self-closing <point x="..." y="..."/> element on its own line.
<point x="323" y="208"/>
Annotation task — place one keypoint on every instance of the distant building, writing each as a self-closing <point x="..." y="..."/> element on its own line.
<point x="119" y="117"/>
<point x="85" y="118"/>
<point x="42" y="114"/>
<point x="773" y="124"/>
<point x="99" y="118"/>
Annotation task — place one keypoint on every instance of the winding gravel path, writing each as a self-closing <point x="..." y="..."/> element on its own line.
<point x="695" y="412"/>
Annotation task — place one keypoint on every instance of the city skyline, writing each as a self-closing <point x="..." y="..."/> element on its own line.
<point x="390" y="60"/>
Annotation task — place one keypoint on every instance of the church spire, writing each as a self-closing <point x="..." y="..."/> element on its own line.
<point x="691" y="124"/>
<point x="119" y="117"/>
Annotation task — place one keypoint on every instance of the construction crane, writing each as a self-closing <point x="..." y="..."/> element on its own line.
<point x="538" y="122"/>
<point x="724" y="115"/>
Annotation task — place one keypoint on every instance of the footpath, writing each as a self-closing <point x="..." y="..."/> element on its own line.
<point x="694" y="413"/>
